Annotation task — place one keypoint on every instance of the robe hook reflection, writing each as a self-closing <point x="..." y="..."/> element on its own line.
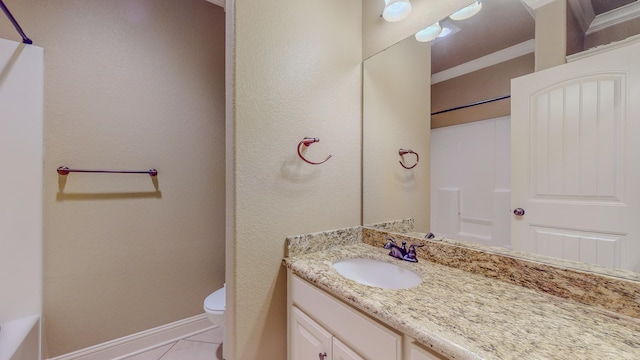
<point x="403" y="152"/>
<point x="307" y="141"/>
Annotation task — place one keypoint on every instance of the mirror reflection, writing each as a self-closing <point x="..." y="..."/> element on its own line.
<point x="470" y="178"/>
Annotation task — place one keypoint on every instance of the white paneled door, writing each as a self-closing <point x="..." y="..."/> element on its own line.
<point x="575" y="160"/>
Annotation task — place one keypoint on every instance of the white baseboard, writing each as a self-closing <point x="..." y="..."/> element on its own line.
<point x="142" y="341"/>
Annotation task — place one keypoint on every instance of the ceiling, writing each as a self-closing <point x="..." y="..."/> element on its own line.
<point x="500" y="24"/>
<point x="602" y="6"/>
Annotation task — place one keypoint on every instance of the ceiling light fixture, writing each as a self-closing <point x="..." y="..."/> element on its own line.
<point x="467" y="12"/>
<point x="445" y="31"/>
<point x="396" y="10"/>
<point x="429" y="33"/>
<point x="448" y="28"/>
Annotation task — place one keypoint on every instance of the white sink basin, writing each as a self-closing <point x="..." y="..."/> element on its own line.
<point x="377" y="273"/>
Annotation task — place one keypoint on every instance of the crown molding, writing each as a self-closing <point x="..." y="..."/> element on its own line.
<point x="614" y="17"/>
<point x="604" y="48"/>
<point x="497" y="57"/>
<point x="583" y="10"/>
<point x="536" y="4"/>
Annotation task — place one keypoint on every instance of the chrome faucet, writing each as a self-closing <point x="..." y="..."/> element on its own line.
<point x="401" y="252"/>
<point x="396" y="251"/>
<point x="411" y="254"/>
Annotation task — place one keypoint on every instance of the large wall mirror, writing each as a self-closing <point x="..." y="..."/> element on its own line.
<point x="449" y="101"/>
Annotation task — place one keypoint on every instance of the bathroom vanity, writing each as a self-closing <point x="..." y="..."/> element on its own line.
<point x="310" y="340"/>
<point x="481" y="305"/>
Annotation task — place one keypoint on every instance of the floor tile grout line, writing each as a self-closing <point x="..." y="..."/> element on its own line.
<point x="187" y="339"/>
<point x="169" y="349"/>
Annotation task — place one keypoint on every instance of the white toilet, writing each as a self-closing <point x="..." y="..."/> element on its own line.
<point x="214" y="306"/>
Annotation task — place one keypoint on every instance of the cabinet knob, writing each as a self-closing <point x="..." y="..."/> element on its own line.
<point x="322" y="356"/>
<point x="518" y="212"/>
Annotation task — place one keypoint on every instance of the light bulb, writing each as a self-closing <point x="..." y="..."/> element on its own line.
<point x="445" y="31"/>
<point x="396" y="10"/>
<point x="467" y="12"/>
<point x="429" y="33"/>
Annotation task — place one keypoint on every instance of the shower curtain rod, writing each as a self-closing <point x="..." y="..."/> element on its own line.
<point x="472" y="104"/>
<point x="25" y="39"/>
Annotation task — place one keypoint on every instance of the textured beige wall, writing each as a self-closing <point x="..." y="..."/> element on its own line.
<point x="551" y="39"/>
<point x="129" y="84"/>
<point x="379" y="34"/>
<point x="613" y="33"/>
<point x="396" y="108"/>
<point x="297" y="73"/>
<point x="490" y="82"/>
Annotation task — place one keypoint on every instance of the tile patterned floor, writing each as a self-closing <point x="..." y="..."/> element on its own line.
<point x="203" y="346"/>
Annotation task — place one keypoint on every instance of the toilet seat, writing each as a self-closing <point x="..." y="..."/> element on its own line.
<point x="216" y="301"/>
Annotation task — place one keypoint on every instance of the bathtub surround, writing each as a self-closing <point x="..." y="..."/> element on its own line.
<point x="21" y="102"/>
<point x="20" y="338"/>
<point x="463" y="307"/>
<point x="471" y="181"/>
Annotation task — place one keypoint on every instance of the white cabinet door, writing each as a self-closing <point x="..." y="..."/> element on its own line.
<point x="342" y="352"/>
<point x="309" y="341"/>
<point x="417" y="353"/>
<point x="370" y="339"/>
<point x="576" y="160"/>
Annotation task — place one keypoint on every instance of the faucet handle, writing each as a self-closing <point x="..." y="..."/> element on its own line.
<point x="411" y="254"/>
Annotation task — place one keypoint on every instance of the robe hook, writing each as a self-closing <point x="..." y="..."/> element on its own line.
<point x="307" y="141"/>
<point x="403" y="152"/>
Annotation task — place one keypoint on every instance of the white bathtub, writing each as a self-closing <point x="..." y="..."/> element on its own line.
<point x="20" y="339"/>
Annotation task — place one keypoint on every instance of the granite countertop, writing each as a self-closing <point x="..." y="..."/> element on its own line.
<point x="463" y="315"/>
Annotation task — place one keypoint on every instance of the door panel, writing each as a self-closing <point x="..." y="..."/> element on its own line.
<point x="308" y="338"/>
<point x="576" y="160"/>
<point x="343" y="352"/>
<point x="576" y="152"/>
<point x="583" y="246"/>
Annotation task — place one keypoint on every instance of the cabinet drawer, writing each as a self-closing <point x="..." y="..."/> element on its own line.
<point x="365" y="336"/>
